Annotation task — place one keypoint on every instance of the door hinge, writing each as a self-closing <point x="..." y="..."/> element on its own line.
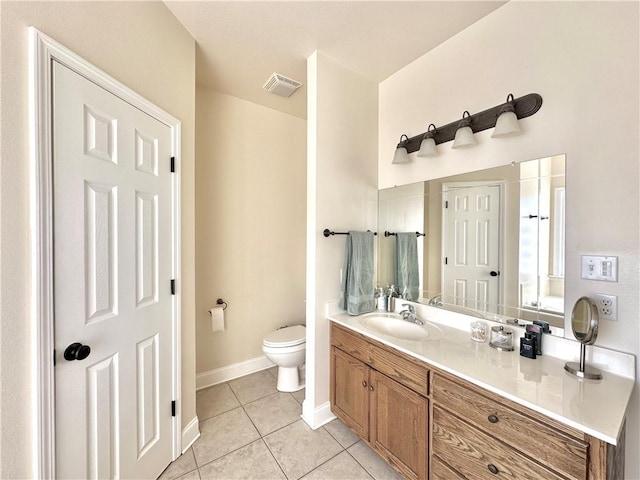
<point x="173" y="286"/>
<point x="173" y="408"/>
<point x="54" y="357"/>
<point x="446" y="204"/>
<point x="446" y="260"/>
<point x="173" y="164"/>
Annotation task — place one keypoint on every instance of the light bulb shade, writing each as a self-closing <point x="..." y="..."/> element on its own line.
<point x="464" y="138"/>
<point x="401" y="156"/>
<point x="507" y="125"/>
<point x="428" y="147"/>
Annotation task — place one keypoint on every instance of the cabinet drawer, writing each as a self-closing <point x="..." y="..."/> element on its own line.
<point x="440" y="471"/>
<point x="540" y="441"/>
<point x="399" y="368"/>
<point x="479" y="456"/>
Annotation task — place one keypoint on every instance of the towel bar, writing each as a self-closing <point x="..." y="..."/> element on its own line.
<point x="328" y="233"/>
<point x="393" y="234"/>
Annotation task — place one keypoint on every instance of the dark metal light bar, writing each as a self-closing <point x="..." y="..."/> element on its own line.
<point x="524" y="107"/>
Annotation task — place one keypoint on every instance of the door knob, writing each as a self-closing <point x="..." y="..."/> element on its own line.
<point x="493" y="273"/>
<point x="77" y="351"/>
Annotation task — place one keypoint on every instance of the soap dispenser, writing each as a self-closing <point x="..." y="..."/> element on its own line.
<point x="381" y="299"/>
<point x="392" y="294"/>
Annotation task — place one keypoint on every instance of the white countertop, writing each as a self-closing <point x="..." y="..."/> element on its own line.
<point x="596" y="407"/>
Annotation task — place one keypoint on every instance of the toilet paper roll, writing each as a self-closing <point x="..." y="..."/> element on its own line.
<point x="217" y="318"/>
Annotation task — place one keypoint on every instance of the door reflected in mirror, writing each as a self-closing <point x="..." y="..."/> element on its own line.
<point x="493" y="240"/>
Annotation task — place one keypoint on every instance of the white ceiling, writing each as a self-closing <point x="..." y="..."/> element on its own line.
<point x="241" y="43"/>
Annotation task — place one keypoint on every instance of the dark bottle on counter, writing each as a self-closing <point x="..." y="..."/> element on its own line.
<point x="528" y="345"/>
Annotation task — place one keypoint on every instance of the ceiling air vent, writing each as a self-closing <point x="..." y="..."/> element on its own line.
<point x="281" y="85"/>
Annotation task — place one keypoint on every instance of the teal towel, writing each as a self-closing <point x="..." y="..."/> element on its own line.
<point x="407" y="276"/>
<point x="356" y="291"/>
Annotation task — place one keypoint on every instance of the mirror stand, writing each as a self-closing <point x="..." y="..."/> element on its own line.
<point x="584" y="323"/>
<point x="580" y="369"/>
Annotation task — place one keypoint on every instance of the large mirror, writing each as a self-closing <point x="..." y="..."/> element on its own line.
<point x="489" y="243"/>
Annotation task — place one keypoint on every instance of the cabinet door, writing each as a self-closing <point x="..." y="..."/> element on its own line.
<point x="349" y="391"/>
<point x="398" y="425"/>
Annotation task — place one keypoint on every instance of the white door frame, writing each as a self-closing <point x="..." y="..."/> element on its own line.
<point x="42" y="52"/>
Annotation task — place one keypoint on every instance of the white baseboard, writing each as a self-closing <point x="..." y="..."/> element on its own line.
<point x="190" y="434"/>
<point x="224" y="374"/>
<point x="317" y="417"/>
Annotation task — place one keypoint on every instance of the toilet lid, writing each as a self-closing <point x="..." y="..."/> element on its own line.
<point x="286" y="337"/>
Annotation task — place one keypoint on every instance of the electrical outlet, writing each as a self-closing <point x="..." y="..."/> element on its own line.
<point x="607" y="306"/>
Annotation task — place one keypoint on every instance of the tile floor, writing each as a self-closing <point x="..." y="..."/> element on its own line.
<point x="249" y="430"/>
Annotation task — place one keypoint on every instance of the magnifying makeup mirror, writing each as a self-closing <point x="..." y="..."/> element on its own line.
<point x="584" y="323"/>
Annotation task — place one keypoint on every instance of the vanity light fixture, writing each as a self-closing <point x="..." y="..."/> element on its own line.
<point x="522" y="107"/>
<point x="428" y="145"/>
<point x="464" y="133"/>
<point x="507" y="124"/>
<point x="401" y="155"/>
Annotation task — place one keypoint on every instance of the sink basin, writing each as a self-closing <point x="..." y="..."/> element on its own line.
<point x="393" y="325"/>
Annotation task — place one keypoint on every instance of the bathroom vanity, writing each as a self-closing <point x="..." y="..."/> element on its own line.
<point x="449" y="408"/>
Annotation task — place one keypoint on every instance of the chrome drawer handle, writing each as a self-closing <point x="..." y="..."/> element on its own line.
<point x="492" y="419"/>
<point x="493" y="469"/>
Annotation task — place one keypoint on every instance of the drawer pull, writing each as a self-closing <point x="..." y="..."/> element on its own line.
<point x="492" y="419"/>
<point x="493" y="469"/>
<point x="371" y="387"/>
<point x="364" y="383"/>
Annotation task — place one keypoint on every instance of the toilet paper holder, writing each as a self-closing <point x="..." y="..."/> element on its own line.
<point x="220" y="302"/>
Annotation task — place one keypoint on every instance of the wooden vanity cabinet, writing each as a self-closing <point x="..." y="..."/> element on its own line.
<point x="431" y="424"/>
<point x="391" y="417"/>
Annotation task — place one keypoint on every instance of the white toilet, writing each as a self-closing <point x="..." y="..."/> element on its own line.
<point x="286" y="348"/>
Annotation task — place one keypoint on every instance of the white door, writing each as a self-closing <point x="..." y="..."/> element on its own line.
<point x="471" y="242"/>
<point x="112" y="282"/>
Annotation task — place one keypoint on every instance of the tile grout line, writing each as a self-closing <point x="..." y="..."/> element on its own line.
<point x="265" y="443"/>
<point x="363" y="467"/>
<point x="275" y="459"/>
<point x="344" y="449"/>
<point x="241" y="405"/>
<point x="326" y="461"/>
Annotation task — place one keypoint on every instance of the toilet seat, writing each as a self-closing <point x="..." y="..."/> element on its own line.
<point x="286" y="337"/>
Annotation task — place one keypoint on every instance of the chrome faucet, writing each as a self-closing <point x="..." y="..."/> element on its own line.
<point x="410" y="314"/>
<point x="436" y="301"/>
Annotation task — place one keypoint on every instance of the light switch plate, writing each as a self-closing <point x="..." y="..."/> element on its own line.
<point x="599" y="267"/>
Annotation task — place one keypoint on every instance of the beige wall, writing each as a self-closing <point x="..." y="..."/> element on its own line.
<point x="145" y="47"/>
<point x="250" y="225"/>
<point x="342" y="109"/>
<point x="583" y="58"/>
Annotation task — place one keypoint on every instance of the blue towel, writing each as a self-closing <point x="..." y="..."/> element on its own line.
<point x="356" y="291"/>
<point x="407" y="276"/>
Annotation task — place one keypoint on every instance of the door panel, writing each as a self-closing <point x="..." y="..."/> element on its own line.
<point x="103" y="419"/>
<point x="399" y="423"/>
<point x="471" y="221"/>
<point x="349" y="391"/>
<point x="112" y="273"/>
